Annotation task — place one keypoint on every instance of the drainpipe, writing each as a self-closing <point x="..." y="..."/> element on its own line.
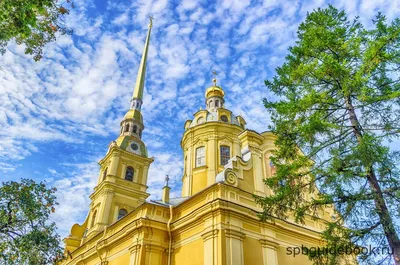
<point x="169" y="233"/>
<point x="97" y="244"/>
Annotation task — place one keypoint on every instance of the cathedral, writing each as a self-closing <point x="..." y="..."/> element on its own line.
<point x="214" y="222"/>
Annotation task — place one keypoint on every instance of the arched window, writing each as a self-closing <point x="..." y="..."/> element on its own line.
<point x="217" y="103"/>
<point x="140" y="133"/>
<point x="200" y="157"/>
<point x="129" y="173"/>
<point x="134" y="128"/>
<point x="94" y="218"/>
<point x="127" y="127"/>
<point x="224" y="154"/>
<point x="105" y="173"/>
<point x="122" y="213"/>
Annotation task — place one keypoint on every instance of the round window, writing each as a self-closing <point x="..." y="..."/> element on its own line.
<point x="200" y="120"/>
<point x="224" y="118"/>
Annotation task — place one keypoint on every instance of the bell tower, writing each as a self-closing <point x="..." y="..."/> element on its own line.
<point x="122" y="182"/>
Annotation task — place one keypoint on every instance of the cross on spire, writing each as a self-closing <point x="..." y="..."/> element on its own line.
<point x="215" y="77"/>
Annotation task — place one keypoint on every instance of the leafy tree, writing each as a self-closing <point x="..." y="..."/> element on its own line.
<point x="337" y="110"/>
<point x="32" y="22"/>
<point x="26" y="235"/>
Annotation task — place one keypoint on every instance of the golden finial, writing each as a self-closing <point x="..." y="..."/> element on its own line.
<point x="215" y="77"/>
<point x="151" y="21"/>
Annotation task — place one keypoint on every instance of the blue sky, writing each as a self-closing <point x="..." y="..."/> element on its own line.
<point x="57" y="116"/>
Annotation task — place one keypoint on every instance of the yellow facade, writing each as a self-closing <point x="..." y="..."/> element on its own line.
<point x="215" y="222"/>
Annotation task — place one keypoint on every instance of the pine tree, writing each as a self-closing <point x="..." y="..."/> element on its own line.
<point x="337" y="111"/>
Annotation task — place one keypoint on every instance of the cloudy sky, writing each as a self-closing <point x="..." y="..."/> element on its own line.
<point x="57" y="116"/>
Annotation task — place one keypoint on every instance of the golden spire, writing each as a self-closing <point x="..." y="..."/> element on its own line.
<point x="139" y="86"/>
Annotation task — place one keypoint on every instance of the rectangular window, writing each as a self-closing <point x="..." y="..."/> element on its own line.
<point x="224" y="154"/>
<point x="200" y="157"/>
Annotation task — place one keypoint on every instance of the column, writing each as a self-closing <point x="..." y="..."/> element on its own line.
<point x="154" y="255"/>
<point x="212" y="154"/>
<point x="135" y="254"/>
<point x="269" y="251"/>
<point x="105" y="207"/>
<point x="145" y="174"/>
<point x="256" y="158"/>
<point x="211" y="247"/>
<point x="114" y="165"/>
<point x="234" y="247"/>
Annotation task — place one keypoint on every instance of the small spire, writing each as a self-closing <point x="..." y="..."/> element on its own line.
<point x="166" y="180"/>
<point x="165" y="191"/>
<point x="215" y="77"/>
<point x="140" y="79"/>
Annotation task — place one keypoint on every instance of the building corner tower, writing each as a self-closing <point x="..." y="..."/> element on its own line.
<point x="122" y="181"/>
<point x="209" y="141"/>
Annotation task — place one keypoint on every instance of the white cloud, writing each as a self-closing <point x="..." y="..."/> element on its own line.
<point x="78" y="93"/>
<point x="72" y="194"/>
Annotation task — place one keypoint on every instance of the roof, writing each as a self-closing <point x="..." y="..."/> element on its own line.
<point x="172" y="201"/>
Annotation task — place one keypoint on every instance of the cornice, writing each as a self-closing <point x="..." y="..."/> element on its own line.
<point x="117" y="151"/>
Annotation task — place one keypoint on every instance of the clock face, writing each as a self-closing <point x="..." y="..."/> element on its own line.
<point x="134" y="146"/>
<point x="200" y="120"/>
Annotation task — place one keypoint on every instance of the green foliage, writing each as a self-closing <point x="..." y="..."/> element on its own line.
<point x="26" y="235"/>
<point x="338" y="108"/>
<point x="31" y="22"/>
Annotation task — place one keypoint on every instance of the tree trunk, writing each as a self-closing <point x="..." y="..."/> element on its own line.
<point x="380" y="203"/>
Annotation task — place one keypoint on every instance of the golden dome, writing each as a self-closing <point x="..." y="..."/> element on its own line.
<point x="214" y="91"/>
<point x="134" y="114"/>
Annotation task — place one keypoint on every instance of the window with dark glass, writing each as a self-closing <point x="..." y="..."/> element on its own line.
<point x="122" y="213"/>
<point x="224" y="154"/>
<point x="105" y="173"/>
<point x="134" y="128"/>
<point x="129" y="173"/>
<point x="200" y="157"/>
<point x="127" y="128"/>
<point x="93" y="218"/>
<point x="217" y="103"/>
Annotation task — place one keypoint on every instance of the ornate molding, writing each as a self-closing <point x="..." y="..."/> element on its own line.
<point x="268" y="243"/>
<point x="255" y="149"/>
<point x="210" y="234"/>
<point x="154" y="248"/>
<point x="108" y="192"/>
<point x="231" y="178"/>
<point x="135" y="248"/>
<point x="230" y="233"/>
